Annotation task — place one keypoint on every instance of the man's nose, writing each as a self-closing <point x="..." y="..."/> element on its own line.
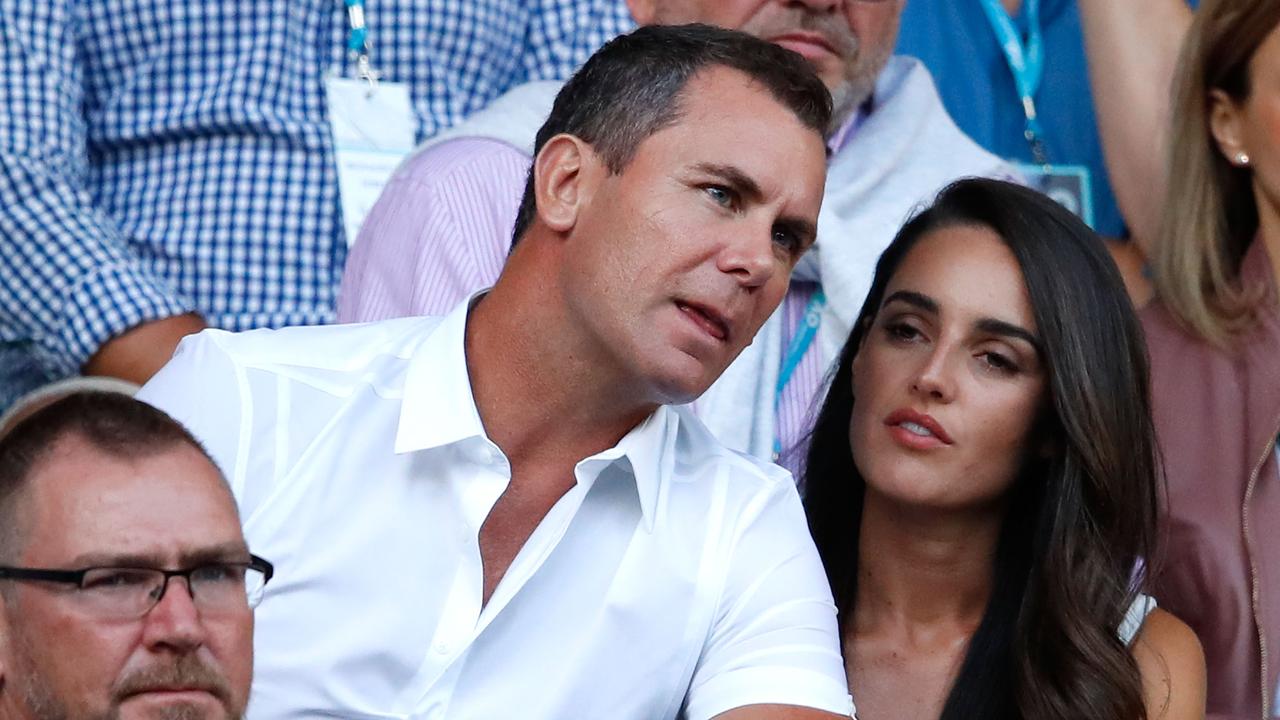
<point x="751" y="258"/>
<point x="175" y="621"/>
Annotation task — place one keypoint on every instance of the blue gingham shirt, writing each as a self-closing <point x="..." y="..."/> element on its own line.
<point x="164" y="156"/>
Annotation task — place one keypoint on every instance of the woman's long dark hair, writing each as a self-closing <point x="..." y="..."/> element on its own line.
<point x="1078" y="521"/>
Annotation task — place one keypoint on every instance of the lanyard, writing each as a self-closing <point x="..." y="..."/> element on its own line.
<point x="358" y="41"/>
<point x="800" y="344"/>
<point x="1026" y="62"/>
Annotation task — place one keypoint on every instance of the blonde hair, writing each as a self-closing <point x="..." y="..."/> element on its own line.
<point x="1209" y="217"/>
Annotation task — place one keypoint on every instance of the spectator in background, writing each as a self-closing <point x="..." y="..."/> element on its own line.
<point x="167" y="164"/>
<point x="126" y="589"/>
<point x="1214" y="335"/>
<point x="523" y="527"/>
<point x="443" y="227"/>
<point x="1126" y="49"/>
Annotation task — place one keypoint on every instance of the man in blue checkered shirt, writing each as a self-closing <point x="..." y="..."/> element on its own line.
<point x="167" y="164"/>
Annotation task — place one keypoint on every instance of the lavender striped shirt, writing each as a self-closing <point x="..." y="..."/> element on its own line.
<point x="441" y="230"/>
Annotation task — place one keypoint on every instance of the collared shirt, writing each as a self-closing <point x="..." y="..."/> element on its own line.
<point x="442" y="229"/>
<point x="675" y="578"/>
<point x="164" y="156"/>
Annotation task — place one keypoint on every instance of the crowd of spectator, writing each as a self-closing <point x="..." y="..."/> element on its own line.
<point x="640" y="358"/>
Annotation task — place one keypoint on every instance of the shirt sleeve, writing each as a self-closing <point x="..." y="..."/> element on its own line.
<point x="439" y="232"/>
<point x="71" y="280"/>
<point x="205" y="390"/>
<point x="774" y="640"/>
<point x="564" y="33"/>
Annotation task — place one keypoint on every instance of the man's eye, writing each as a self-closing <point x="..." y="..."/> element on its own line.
<point x="215" y="574"/>
<point x="786" y="239"/>
<point x="116" y="579"/>
<point x="720" y="195"/>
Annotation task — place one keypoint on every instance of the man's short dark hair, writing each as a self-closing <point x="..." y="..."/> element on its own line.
<point x="631" y="88"/>
<point x="112" y="423"/>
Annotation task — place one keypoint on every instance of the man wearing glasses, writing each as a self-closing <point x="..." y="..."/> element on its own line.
<point x="126" y="587"/>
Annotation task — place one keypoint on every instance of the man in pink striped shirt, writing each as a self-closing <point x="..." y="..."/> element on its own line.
<point x="443" y="226"/>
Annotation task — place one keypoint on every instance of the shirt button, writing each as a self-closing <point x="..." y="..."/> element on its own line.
<point x="442" y="648"/>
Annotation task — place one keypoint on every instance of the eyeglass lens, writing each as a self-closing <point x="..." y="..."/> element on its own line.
<point x="134" y="591"/>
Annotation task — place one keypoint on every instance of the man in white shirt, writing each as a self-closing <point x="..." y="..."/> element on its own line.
<point x="497" y="513"/>
<point x="443" y="225"/>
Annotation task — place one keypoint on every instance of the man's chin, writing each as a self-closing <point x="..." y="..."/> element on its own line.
<point x="176" y="705"/>
<point x="681" y="389"/>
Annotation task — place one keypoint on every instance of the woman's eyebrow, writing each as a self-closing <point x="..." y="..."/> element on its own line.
<point x="1000" y="327"/>
<point x="911" y="297"/>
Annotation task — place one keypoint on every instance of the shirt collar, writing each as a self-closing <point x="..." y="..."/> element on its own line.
<point x="845" y="132"/>
<point x="649" y="450"/>
<point x="439" y="409"/>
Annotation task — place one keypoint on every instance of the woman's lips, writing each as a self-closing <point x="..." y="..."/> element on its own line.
<point x="917" y="430"/>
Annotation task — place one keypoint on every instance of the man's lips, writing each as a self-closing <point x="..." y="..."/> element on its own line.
<point x="709" y="319"/>
<point x="917" y="425"/>
<point x="808" y="44"/>
<point x="186" y="679"/>
<point x="175" y="693"/>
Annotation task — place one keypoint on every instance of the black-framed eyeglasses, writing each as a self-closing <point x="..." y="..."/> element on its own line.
<point x="131" y="592"/>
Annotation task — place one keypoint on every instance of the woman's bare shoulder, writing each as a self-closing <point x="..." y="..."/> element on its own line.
<point x="1171" y="661"/>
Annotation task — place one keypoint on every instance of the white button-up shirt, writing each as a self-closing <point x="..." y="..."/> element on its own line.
<point x="676" y="578"/>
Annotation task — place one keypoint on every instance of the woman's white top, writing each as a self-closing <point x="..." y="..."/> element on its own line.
<point x="1133" y="619"/>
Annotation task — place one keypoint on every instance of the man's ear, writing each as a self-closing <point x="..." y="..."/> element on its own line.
<point x="642" y="11"/>
<point x="1226" y="124"/>
<point x="562" y="171"/>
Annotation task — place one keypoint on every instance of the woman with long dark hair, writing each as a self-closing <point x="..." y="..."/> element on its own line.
<point x="981" y="482"/>
<point x="1214" y="335"/>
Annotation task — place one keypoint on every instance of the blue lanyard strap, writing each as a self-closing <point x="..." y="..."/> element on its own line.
<point x="800" y="344"/>
<point x="1026" y="63"/>
<point x="358" y="40"/>
<point x="358" y="37"/>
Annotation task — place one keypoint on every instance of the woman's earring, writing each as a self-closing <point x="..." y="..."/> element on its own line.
<point x="1242" y="159"/>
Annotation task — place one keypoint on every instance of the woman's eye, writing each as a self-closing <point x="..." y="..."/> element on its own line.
<point x="999" y="362"/>
<point x="901" y="331"/>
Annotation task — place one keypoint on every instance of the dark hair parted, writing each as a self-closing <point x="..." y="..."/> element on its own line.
<point x="1080" y="516"/>
<point x="631" y="88"/>
<point x="113" y="423"/>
